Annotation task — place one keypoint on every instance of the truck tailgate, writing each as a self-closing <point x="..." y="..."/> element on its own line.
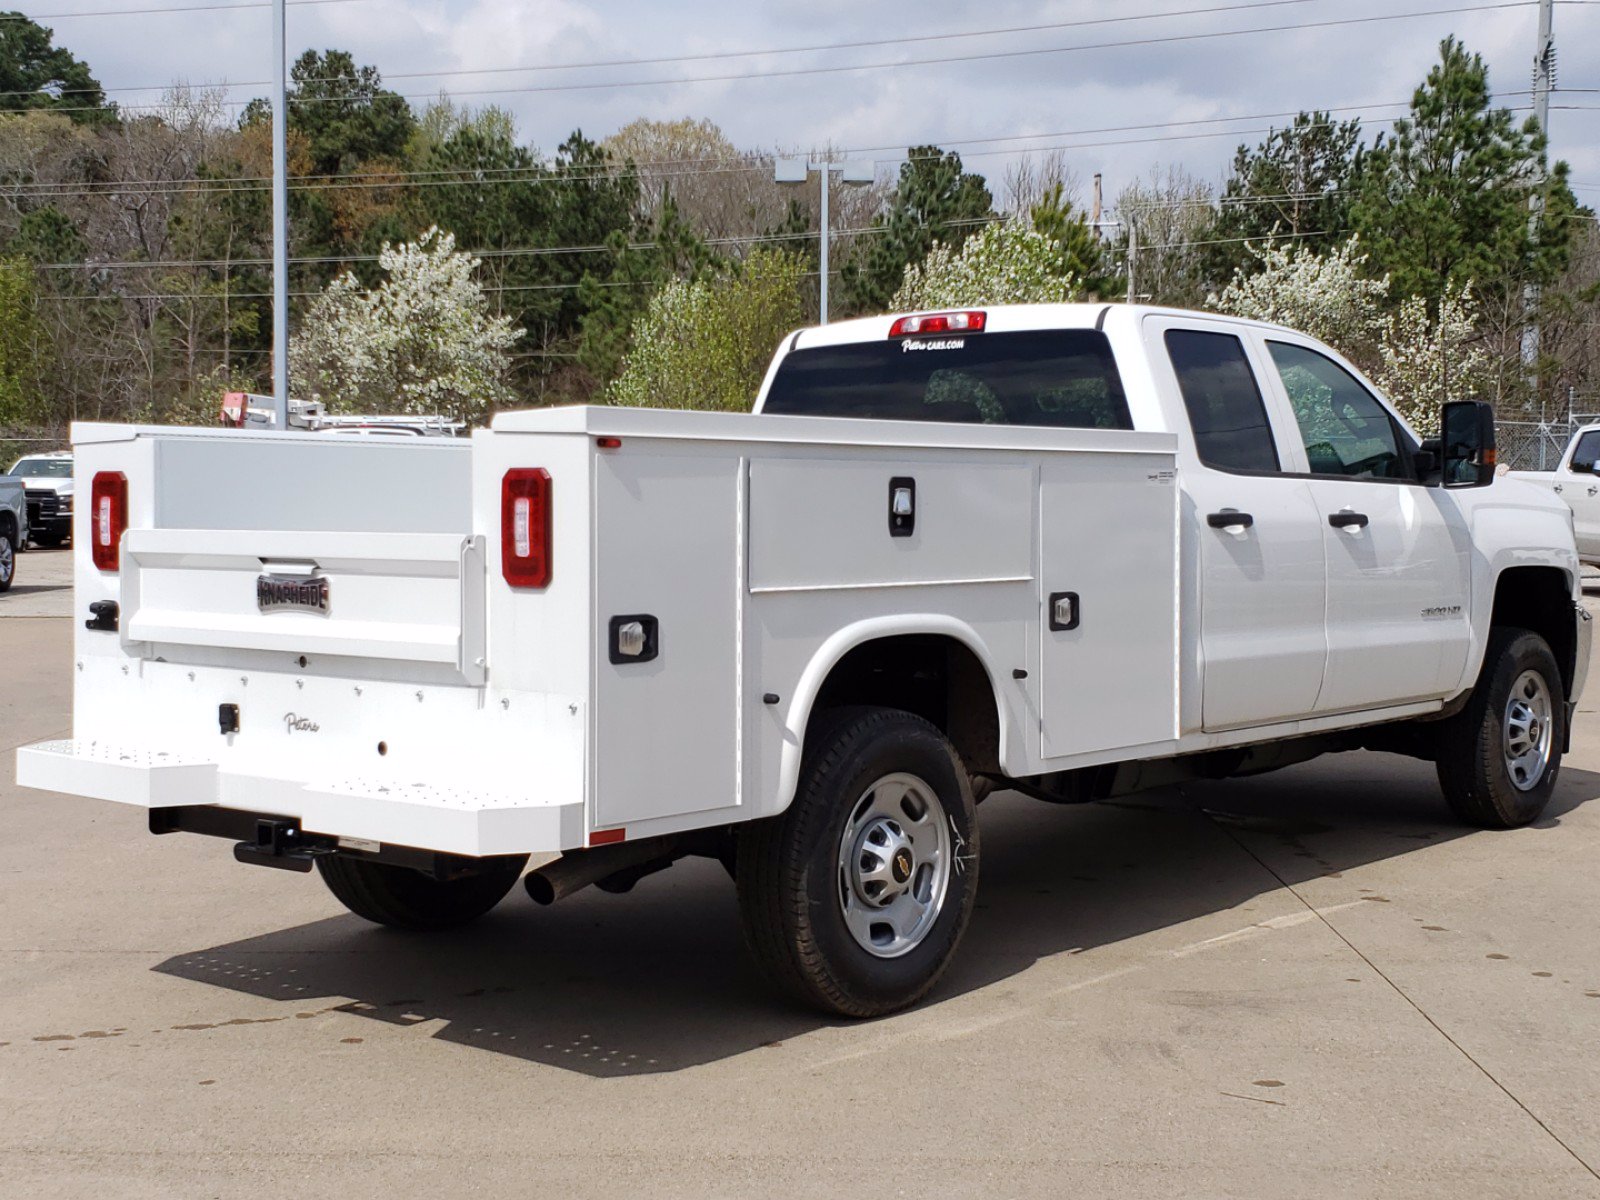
<point x="404" y="597"/>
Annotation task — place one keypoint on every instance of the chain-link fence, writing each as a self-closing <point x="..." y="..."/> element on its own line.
<point x="1537" y="445"/>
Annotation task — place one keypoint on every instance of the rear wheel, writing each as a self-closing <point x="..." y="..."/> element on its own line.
<point x="407" y="899"/>
<point x="855" y="898"/>
<point x="1499" y="756"/>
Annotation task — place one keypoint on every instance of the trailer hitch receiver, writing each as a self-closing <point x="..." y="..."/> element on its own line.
<point x="280" y="844"/>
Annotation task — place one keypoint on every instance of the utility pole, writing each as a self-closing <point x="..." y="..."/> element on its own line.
<point x="1544" y="81"/>
<point x="280" y="219"/>
<point x="1133" y="253"/>
<point x="798" y="170"/>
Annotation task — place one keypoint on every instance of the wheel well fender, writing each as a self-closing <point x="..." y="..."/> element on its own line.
<point x="1540" y="599"/>
<point x="920" y="663"/>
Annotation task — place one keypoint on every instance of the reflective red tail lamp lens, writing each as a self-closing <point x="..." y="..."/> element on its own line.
<point x="950" y="322"/>
<point x="525" y="527"/>
<point x="108" y="518"/>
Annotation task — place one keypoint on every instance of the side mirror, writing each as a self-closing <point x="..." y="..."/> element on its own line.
<point x="1467" y="449"/>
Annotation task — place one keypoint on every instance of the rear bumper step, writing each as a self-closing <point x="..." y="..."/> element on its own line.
<point x="449" y="816"/>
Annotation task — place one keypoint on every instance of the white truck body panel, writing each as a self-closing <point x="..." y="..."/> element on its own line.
<point x="434" y="706"/>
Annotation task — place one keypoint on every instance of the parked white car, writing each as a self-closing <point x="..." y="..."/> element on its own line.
<point x="1576" y="482"/>
<point x="1073" y="549"/>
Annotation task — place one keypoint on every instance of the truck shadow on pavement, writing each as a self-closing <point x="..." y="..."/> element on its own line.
<point x="657" y="980"/>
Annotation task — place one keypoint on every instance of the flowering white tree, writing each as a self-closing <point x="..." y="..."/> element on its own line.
<point x="1010" y="262"/>
<point x="1419" y="354"/>
<point x="422" y="341"/>
<point x="1428" y="358"/>
<point x="1324" y="295"/>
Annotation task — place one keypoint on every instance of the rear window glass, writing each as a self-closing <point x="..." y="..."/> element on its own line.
<point x="1059" y="377"/>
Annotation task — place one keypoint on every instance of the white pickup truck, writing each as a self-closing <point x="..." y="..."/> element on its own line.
<point x="1073" y="550"/>
<point x="1577" y="482"/>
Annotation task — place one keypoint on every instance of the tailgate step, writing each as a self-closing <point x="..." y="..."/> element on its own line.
<point x="441" y="816"/>
<point x="147" y="778"/>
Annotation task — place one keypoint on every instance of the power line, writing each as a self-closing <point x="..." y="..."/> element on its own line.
<point x="945" y="60"/>
<point x="405" y="180"/>
<point x="179" y="8"/>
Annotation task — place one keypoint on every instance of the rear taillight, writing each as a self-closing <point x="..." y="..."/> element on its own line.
<point x="108" y="518"/>
<point x="525" y="527"/>
<point x="950" y="322"/>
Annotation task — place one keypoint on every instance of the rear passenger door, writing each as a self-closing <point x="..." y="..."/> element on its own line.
<point x="1253" y="572"/>
<point x="1397" y="552"/>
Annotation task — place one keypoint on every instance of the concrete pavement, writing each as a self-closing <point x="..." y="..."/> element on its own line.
<point x="1307" y="984"/>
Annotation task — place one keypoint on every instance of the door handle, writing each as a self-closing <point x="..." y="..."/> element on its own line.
<point x="1593" y="489"/>
<point x="1230" y="518"/>
<point x="1345" y="519"/>
<point x="1558" y="487"/>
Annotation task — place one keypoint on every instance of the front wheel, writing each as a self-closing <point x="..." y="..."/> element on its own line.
<point x="855" y="898"/>
<point x="8" y="559"/>
<point x="1499" y="756"/>
<point x="406" y="899"/>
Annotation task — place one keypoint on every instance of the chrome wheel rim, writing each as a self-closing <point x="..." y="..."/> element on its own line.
<point x="8" y="562"/>
<point x="894" y="865"/>
<point x="1529" y="730"/>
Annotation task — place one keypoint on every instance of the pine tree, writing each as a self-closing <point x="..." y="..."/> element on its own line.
<point x="935" y="200"/>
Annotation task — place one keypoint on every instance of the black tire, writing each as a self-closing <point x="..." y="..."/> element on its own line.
<point x="792" y="891"/>
<point x="405" y="899"/>
<point x="8" y="559"/>
<point x="1473" y="771"/>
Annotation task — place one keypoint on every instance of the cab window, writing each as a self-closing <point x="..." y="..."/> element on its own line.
<point x="1226" y="412"/>
<point x="1586" y="451"/>
<point x="1343" y="427"/>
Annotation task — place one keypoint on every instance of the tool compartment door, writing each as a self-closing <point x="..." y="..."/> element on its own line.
<point x="668" y="520"/>
<point x="1108" y="537"/>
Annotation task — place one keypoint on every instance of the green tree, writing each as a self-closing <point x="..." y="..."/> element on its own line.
<point x="345" y="113"/>
<point x="494" y="196"/>
<point x="1299" y="183"/>
<point x="613" y="300"/>
<point x="342" y="121"/>
<point x="1444" y="201"/>
<point x="706" y="344"/>
<point x="35" y="73"/>
<point x="24" y="347"/>
<point x="1080" y="251"/>
<point x="935" y="200"/>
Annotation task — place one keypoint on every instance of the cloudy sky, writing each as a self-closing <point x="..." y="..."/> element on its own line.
<point x="1180" y="88"/>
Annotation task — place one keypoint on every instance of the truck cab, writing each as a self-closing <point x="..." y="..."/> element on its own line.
<point x="1576" y="482"/>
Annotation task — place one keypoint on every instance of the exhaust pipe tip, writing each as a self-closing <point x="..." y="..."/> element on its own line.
<point x="539" y="888"/>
